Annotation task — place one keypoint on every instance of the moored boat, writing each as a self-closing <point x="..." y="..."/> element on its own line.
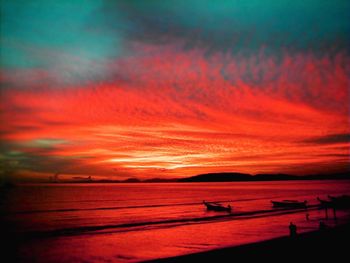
<point x="213" y="206"/>
<point x="289" y="204"/>
<point x="342" y="201"/>
<point x="325" y="203"/>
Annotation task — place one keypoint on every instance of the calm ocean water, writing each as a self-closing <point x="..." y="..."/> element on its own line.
<point x="136" y="222"/>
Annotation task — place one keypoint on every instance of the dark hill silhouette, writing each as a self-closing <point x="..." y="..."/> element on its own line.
<point x="218" y="177"/>
<point x="223" y="177"/>
<point x="241" y="177"/>
<point x="131" y="180"/>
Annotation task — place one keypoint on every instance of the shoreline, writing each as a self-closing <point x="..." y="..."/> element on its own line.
<point x="331" y="243"/>
<point x="96" y="182"/>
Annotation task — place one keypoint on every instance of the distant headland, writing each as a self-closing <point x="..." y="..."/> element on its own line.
<point x="242" y="177"/>
<point x="218" y="177"/>
<point x="208" y="177"/>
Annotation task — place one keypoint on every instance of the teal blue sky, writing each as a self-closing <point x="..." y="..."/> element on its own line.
<point x="34" y="32"/>
<point x="237" y="24"/>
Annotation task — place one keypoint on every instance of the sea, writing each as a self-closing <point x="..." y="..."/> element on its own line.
<point x="135" y="222"/>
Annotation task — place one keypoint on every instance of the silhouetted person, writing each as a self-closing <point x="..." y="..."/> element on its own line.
<point x="334" y="213"/>
<point x="322" y="226"/>
<point x="292" y="229"/>
<point x="307" y="216"/>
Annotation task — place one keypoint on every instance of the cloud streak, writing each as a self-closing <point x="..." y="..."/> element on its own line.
<point x="177" y="113"/>
<point x="330" y="139"/>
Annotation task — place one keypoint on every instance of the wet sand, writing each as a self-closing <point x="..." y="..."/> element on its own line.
<point x="330" y="244"/>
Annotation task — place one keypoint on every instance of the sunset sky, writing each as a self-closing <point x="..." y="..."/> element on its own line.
<point x="121" y="89"/>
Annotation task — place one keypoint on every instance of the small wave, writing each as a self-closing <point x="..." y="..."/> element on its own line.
<point x="125" y="207"/>
<point x="162" y="223"/>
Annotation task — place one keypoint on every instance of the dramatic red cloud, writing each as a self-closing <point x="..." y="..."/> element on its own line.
<point x="173" y="114"/>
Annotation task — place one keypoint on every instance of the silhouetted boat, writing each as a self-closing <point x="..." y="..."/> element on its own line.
<point x="213" y="206"/>
<point x="325" y="203"/>
<point x="342" y="201"/>
<point x="289" y="204"/>
<point x="342" y="198"/>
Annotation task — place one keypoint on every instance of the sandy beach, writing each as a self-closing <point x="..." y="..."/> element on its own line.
<point x="329" y="244"/>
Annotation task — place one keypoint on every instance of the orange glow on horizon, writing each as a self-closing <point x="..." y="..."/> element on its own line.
<point x="179" y="119"/>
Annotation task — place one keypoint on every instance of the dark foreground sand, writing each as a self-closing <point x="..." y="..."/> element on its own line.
<point x="332" y="245"/>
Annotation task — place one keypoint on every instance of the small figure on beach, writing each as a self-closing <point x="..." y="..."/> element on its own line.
<point x="307" y="216"/>
<point x="322" y="226"/>
<point x="292" y="229"/>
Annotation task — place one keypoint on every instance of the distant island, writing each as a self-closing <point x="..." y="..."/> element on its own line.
<point x="222" y="177"/>
<point x="242" y="177"/>
<point x="208" y="177"/>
